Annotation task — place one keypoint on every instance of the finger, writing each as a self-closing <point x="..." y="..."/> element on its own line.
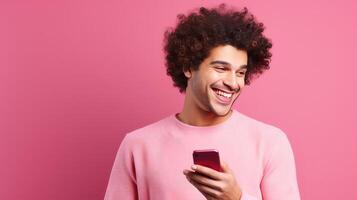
<point x="225" y="167"/>
<point x="208" y="192"/>
<point x="204" y="180"/>
<point x="207" y="172"/>
<point x="186" y="171"/>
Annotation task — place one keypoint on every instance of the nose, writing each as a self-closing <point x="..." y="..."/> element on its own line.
<point x="231" y="81"/>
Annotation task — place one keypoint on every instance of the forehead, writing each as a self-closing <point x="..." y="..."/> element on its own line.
<point x="229" y="54"/>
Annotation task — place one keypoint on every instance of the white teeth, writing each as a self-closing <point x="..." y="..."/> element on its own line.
<point x="219" y="92"/>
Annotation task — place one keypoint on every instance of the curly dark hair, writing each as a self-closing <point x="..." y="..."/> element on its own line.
<point x="197" y="34"/>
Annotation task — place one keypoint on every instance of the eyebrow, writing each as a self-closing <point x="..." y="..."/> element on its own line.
<point x="226" y="63"/>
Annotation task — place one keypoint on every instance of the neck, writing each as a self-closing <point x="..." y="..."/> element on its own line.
<point x="196" y="116"/>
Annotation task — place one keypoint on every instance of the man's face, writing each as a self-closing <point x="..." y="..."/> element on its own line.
<point x="219" y="80"/>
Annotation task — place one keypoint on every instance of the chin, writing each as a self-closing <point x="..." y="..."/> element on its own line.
<point x="222" y="112"/>
<point x="219" y="109"/>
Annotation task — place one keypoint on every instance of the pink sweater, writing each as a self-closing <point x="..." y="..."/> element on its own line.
<point x="150" y="160"/>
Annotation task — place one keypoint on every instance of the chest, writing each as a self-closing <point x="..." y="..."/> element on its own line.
<point x="164" y="164"/>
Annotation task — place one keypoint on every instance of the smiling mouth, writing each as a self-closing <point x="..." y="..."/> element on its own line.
<point x="223" y="97"/>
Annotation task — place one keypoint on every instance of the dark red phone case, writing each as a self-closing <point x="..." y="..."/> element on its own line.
<point x="208" y="158"/>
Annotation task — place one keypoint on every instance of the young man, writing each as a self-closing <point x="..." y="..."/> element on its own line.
<point x="211" y="55"/>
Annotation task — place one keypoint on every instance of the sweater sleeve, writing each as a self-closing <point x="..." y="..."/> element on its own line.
<point x="122" y="180"/>
<point x="279" y="180"/>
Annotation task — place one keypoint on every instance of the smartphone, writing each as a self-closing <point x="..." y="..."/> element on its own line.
<point x="208" y="158"/>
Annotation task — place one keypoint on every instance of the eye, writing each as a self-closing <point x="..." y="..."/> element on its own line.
<point x="241" y="73"/>
<point x="220" y="68"/>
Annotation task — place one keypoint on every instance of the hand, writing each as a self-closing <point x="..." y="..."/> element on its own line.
<point x="214" y="185"/>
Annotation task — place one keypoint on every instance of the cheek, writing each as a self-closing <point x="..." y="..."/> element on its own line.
<point x="197" y="85"/>
<point x="212" y="78"/>
<point x="241" y="82"/>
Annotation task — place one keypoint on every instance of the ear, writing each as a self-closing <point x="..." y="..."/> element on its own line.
<point x="187" y="73"/>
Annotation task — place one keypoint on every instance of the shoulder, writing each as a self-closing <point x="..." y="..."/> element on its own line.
<point x="270" y="139"/>
<point x="149" y="133"/>
<point x="259" y="129"/>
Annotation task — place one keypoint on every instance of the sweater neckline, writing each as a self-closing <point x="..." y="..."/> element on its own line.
<point x="211" y="128"/>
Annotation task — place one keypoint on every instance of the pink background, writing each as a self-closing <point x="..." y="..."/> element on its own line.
<point x="75" y="76"/>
